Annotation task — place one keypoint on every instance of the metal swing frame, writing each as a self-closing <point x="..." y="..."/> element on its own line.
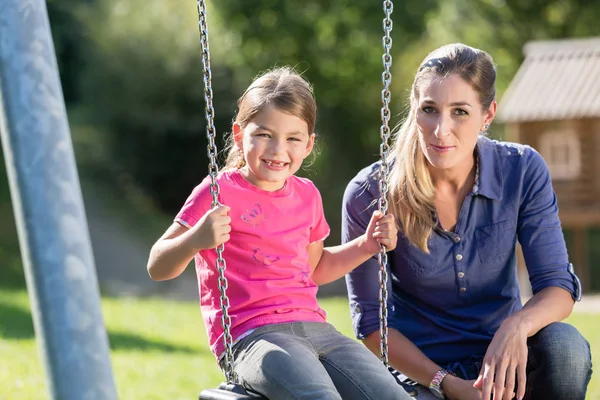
<point x="231" y="389"/>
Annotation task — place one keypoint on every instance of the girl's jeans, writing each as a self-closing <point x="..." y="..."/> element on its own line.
<point x="311" y="360"/>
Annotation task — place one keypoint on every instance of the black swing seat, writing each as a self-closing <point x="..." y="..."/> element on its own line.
<point x="236" y="392"/>
<point x="229" y="391"/>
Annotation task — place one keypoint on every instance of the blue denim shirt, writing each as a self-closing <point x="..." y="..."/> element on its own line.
<point x="450" y="302"/>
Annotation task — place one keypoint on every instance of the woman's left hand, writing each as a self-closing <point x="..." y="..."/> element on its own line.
<point x="505" y="362"/>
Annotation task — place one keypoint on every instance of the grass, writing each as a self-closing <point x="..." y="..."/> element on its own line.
<point x="158" y="348"/>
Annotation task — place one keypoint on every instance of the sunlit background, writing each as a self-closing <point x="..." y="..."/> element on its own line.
<point x="131" y="74"/>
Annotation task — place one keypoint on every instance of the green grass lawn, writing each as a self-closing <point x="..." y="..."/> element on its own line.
<point x="159" y="348"/>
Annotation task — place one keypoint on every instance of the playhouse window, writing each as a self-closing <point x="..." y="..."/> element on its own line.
<point x="561" y="150"/>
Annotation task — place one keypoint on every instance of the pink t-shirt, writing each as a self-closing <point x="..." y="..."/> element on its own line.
<point x="268" y="273"/>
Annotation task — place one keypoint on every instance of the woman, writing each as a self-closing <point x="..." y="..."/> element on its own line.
<point x="456" y="322"/>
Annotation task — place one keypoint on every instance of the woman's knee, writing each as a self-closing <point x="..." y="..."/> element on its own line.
<point x="559" y="362"/>
<point x="560" y="345"/>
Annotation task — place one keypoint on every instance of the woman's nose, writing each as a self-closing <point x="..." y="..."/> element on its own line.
<point x="443" y="127"/>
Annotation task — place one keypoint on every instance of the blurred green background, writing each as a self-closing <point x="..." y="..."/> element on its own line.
<point x="132" y="80"/>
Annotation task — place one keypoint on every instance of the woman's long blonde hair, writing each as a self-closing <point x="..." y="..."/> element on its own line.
<point x="411" y="190"/>
<point x="284" y="89"/>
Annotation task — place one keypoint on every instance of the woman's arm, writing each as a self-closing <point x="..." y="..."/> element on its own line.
<point x="553" y="282"/>
<point x="551" y="304"/>
<point x="541" y="237"/>
<point x="404" y="356"/>
<point x="554" y="285"/>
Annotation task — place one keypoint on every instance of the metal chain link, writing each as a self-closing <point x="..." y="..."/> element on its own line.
<point x="386" y="77"/>
<point x="213" y="170"/>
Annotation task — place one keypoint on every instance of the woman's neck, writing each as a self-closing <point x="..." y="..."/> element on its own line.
<point x="454" y="179"/>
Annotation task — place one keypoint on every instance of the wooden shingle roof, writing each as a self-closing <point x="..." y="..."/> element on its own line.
<point x="558" y="79"/>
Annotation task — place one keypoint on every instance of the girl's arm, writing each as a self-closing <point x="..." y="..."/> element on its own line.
<point x="332" y="263"/>
<point x="171" y="254"/>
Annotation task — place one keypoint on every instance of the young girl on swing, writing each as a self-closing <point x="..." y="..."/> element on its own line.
<point x="274" y="226"/>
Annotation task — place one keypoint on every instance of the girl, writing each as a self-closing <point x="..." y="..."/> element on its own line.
<point x="274" y="226"/>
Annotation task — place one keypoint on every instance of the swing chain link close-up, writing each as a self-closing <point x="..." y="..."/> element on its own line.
<point x="386" y="78"/>
<point x="213" y="170"/>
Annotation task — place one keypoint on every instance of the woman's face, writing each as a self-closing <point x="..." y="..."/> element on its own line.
<point x="450" y="118"/>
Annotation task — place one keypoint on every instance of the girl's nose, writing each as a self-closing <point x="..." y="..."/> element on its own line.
<point x="277" y="146"/>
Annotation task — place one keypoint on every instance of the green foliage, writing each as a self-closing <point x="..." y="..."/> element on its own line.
<point x="338" y="46"/>
<point x="11" y="274"/>
<point x="143" y="85"/>
<point x="502" y="27"/>
<point x="68" y="44"/>
<point x="143" y="81"/>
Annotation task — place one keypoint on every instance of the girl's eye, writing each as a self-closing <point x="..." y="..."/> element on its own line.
<point x="294" y="139"/>
<point x="428" y="110"/>
<point x="459" y="111"/>
<point x="263" y="135"/>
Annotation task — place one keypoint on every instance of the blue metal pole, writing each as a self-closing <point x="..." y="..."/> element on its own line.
<point x="48" y="205"/>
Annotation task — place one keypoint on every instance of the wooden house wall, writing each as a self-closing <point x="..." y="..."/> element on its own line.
<point x="581" y="194"/>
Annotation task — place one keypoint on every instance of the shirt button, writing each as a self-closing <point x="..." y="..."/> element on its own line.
<point x="461" y="274"/>
<point x="457" y="239"/>
<point x="459" y="257"/>
<point x="463" y="289"/>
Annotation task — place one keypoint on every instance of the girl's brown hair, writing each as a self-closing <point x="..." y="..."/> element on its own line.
<point x="282" y="88"/>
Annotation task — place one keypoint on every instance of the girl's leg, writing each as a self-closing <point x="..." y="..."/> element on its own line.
<point x="279" y="362"/>
<point x="356" y="372"/>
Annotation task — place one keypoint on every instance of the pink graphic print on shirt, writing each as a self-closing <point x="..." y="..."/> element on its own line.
<point x="254" y="216"/>
<point x="263" y="258"/>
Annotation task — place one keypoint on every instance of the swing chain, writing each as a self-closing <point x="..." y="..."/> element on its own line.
<point x="213" y="170"/>
<point x="384" y="148"/>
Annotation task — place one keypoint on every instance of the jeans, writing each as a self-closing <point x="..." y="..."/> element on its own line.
<point x="311" y="360"/>
<point x="559" y="364"/>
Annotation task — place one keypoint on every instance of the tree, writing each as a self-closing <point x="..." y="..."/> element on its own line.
<point x="502" y="27"/>
<point x="338" y="46"/>
<point x="67" y="36"/>
<point x="143" y="84"/>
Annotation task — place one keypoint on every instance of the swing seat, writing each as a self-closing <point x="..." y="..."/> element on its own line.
<point x="236" y="392"/>
<point x="229" y="392"/>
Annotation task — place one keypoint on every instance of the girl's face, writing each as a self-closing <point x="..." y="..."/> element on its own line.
<point x="449" y="119"/>
<point x="274" y="145"/>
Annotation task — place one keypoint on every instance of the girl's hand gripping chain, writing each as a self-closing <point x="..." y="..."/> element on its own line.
<point x="382" y="230"/>
<point x="212" y="229"/>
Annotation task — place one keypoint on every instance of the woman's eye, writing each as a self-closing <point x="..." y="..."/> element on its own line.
<point x="428" y="110"/>
<point x="459" y="111"/>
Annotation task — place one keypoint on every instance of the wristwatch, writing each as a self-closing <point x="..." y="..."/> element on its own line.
<point x="435" y="386"/>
